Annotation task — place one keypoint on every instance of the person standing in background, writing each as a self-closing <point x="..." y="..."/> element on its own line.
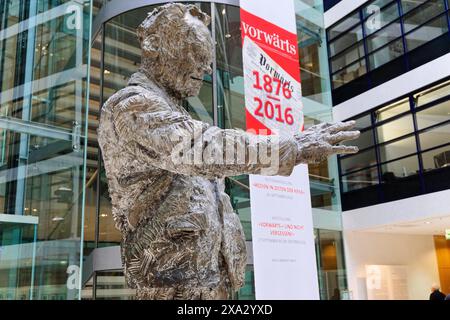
<point x="436" y="294"/>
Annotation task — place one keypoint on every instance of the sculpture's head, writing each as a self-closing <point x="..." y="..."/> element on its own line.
<point x="177" y="48"/>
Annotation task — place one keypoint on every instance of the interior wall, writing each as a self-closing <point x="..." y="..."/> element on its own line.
<point x="415" y="252"/>
<point x="442" y="246"/>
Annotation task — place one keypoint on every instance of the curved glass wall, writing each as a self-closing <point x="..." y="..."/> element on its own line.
<point x="44" y="48"/>
<point x="116" y="55"/>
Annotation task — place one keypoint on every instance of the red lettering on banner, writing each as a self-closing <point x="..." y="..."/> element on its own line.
<point x="278" y="43"/>
<point x="267" y="109"/>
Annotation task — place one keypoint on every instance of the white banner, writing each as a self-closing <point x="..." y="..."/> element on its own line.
<point x="282" y="228"/>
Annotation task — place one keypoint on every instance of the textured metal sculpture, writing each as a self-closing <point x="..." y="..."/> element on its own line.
<point x="181" y="238"/>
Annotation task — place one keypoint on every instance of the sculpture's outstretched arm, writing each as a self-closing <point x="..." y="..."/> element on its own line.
<point x="173" y="141"/>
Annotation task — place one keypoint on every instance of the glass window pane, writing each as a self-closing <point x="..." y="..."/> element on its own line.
<point x="16" y="243"/>
<point x="96" y="7"/>
<point x="363" y="122"/>
<point x="349" y="73"/>
<point x="398" y="169"/>
<point x="408" y="5"/>
<point x="375" y="3"/>
<point x="314" y="74"/>
<point x="386" y="54"/>
<point x="322" y="185"/>
<point x="201" y="106"/>
<point x="9" y="56"/>
<point x="435" y="137"/>
<point x="90" y="210"/>
<point x="122" y="55"/>
<point x="331" y="269"/>
<point x="359" y="161"/>
<point x="422" y="14"/>
<point x="378" y="19"/>
<point x="108" y="235"/>
<point x="237" y="188"/>
<point x="347" y="57"/>
<point x="398" y="149"/>
<point x="395" y="129"/>
<point x="436" y="164"/>
<point x="361" y="179"/>
<point x="437" y="158"/>
<point x="13" y="8"/>
<point x="400" y="179"/>
<point x="392" y="110"/>
<point x="432" y="94"/>
<point x="230" y="74"/>
<point x="427" y="32"/>
<point x="384" y="36"/>
<point x="343" y="25"/>
<point x="434" y="115"/>
<point x="365" y="140"/>
<point x="347" y="40"/>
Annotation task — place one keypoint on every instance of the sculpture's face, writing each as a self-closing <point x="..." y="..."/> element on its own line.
<point x="196" y="59"/>
<point x="179" y="57"/>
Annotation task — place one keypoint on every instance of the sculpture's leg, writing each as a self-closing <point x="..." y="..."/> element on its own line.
<point x="180" y="293"/>
<point x="220" y="292"/>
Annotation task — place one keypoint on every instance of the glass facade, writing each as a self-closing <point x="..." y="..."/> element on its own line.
<point x="384" y="39"/>
<point x="44" y="58"/>
<point x="404" y="150"/>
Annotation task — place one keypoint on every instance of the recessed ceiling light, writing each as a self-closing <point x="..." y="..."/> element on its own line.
<point x="57" y="219"/>
<point x="228" y="35"/>
<point x="427" y="222"/>
<point x="103" y="215"/>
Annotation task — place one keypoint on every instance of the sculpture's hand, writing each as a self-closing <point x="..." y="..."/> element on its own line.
<point x="321" y="141"/>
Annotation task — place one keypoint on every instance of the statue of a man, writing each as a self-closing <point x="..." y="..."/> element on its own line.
<point x="181" y="238"/>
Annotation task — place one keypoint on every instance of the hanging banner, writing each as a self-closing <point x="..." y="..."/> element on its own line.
<point x="282" y="228"/>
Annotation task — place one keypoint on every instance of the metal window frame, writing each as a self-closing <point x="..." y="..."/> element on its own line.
<point x="403" y="34"/>
<point x="364" y="40"/>
<point x="413" y="110"/>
